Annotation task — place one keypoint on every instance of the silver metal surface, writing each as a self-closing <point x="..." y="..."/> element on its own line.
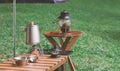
<point x="32" y="34"/>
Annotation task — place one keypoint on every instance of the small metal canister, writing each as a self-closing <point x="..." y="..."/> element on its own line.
<point x="21" y="61"/>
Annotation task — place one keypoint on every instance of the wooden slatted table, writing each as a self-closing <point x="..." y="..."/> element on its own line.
<point x="67" y="40"/>
<point x="45" y="63"/>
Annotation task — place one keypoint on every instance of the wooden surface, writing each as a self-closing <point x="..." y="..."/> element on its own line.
<point x="58" y="34"/>
<point x="67" y="40"/>
<point x="45" y="63"/>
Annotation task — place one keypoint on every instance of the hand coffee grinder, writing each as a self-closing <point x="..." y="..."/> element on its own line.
<point x="33" y="38"/>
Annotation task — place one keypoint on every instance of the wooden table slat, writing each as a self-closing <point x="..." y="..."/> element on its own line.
<point x="21" y="69"/>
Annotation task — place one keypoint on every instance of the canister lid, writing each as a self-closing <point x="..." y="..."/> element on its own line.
<point x="31" y="23"/>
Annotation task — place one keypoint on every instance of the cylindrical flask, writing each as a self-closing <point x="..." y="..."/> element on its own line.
<point x="32" y="34"/>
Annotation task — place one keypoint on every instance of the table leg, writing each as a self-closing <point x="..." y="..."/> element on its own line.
<point x="52" y="41"/>
<point x="73" y="40"/>
<point x="66" y="42"/>
<point x="72" y="66"/>
<point x="61" y="40"/>
<point x="61" y="68"/>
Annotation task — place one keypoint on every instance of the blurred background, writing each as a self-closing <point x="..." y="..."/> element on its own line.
<point x="96" y="50"/>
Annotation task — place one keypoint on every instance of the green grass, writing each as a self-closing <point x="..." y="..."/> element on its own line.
<point x="96" y="50"/>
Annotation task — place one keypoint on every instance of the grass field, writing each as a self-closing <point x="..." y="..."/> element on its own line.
<point x="98" y="49"/>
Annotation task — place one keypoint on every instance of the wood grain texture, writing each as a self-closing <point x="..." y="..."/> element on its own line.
<point x="45" y="63"/>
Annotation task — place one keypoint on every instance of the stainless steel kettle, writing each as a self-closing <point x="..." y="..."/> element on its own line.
<point x="32" y="34"/>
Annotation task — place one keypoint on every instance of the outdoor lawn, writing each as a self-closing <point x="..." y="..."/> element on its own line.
<point x="97" y="49"/>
